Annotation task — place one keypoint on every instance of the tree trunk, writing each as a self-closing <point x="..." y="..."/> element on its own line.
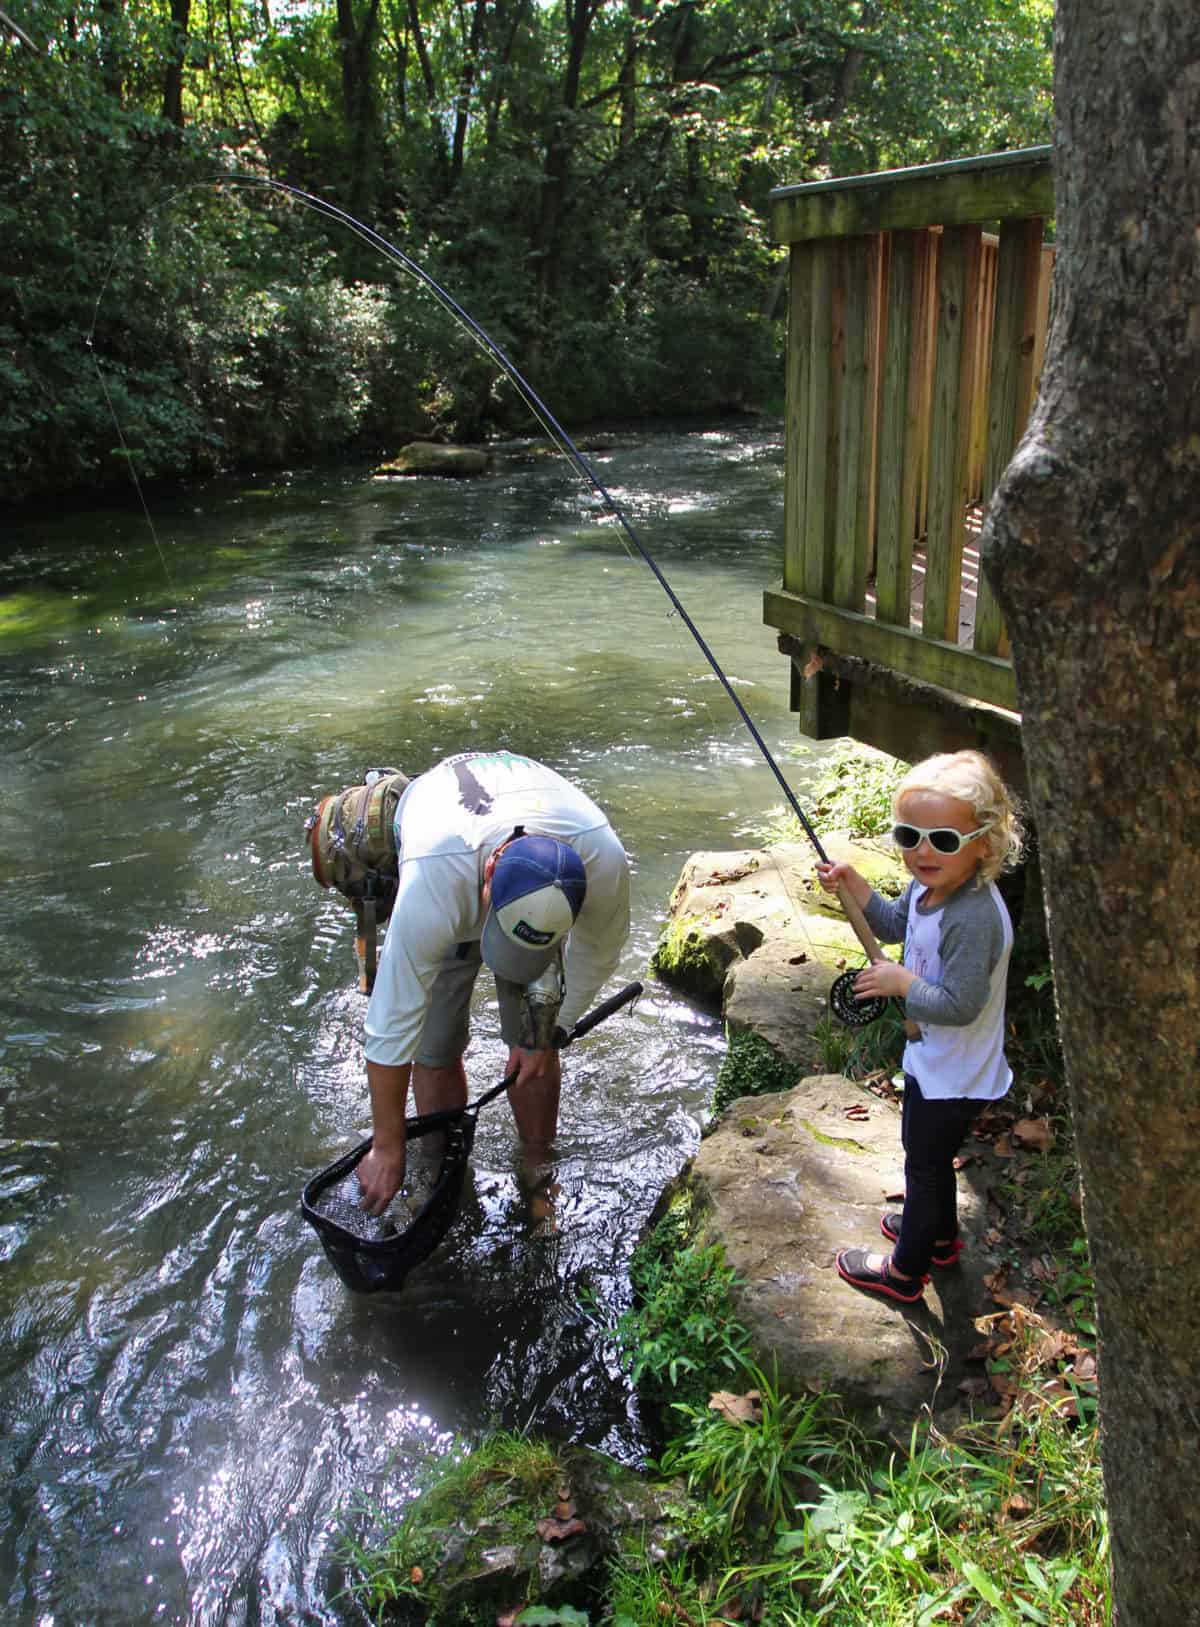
<point x="557" y="167"/>
<point x="356" y="46"/>
<point x="1093" y="548"/>
<point x="172" y="109"/>
<point x="466" y="89"/>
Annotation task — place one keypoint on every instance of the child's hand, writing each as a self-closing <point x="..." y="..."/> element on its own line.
<point x="831" y="876"/>
<point x="883" y="977"/>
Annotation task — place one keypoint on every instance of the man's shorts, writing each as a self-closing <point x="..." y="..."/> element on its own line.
<point x="448" y="1023"/>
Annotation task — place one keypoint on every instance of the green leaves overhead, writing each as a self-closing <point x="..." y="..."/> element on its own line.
<point x="581" y="175"/>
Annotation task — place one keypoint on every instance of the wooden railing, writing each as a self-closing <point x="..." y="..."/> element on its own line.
<point x="914" y="346"/>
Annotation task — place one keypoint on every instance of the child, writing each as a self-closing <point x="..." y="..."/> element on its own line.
<point x="957" y="826"/>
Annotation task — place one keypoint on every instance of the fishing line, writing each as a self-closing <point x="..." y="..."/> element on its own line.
<point x="554" y="430"/>
<point x="844" y="1002"/>
<point x="536" y="405"/>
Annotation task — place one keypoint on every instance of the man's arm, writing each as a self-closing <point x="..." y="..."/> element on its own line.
<point x="381" y="1172"/>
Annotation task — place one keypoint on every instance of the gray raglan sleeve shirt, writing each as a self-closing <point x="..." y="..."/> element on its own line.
<point x="972" y="941"/>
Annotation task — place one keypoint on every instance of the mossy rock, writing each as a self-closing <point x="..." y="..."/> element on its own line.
<point x="432" y="458"/>
<point x="692" y="960"/>
<point x="482" y="1544"/>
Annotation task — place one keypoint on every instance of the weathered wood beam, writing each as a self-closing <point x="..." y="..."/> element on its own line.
<point x="969" y="191"/>
<point x="983" y="676"/>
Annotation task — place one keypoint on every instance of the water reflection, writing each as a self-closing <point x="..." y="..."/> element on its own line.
<point x="190" y="1397"/>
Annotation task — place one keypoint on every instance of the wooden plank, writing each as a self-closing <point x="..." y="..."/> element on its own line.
<point x="1044" y="291"/>
<point x="983" y="677"/>
<point x="899" y="424"/>
<point x="853" y="374"/>
<point x="976" y="490"/>
<point x="1014" y="339"/>
<point x="796" y="430"/>
<point x="868" y="473"/>
<point x="998" y="186"/>
<point x="822" y="450"/>
<point x="950" y="431"/>
<point x="933" y="239"/>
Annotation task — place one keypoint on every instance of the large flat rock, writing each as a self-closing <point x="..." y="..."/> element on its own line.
<point x="785" y="1182"/>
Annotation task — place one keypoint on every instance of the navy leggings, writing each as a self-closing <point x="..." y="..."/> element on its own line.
<point x="932" y="1130"/>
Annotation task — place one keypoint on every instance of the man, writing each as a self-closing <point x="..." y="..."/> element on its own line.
<point x="501" y="860"/>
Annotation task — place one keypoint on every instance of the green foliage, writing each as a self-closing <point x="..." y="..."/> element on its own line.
<point x="853" y="793"/>
<point x="592" y="187"/>
<point x="680" y="1338"/>
<point x="751" y="1067"/>
<point x="493" y="1488"/>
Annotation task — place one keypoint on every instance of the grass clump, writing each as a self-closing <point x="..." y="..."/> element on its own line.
<point x="854" y="793"/>
<point x="997" y="1529"/>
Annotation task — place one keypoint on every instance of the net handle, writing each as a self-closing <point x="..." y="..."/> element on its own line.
<point x="598" y="1014"/>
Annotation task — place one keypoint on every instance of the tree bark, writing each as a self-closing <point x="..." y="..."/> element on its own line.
<point x="172" y="108"/>
<point x="1093" y="548"/>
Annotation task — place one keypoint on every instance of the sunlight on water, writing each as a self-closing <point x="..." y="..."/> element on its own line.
<point x="193" y="1403"/>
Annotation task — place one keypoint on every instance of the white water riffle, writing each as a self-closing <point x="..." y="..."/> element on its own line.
<point x="191" y="1400"/>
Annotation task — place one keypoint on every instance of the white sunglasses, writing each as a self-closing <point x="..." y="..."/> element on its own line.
<point x="941" y="838"/>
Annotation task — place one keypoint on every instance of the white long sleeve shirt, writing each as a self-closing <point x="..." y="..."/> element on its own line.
<point x="448" y="824"/>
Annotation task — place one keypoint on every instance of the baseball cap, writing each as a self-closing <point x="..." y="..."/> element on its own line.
<point x="538" y="887"/>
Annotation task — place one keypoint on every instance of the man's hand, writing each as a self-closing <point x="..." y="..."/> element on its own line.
<point x="380" y="1176"/>
<point x="533" y="1067"/>
<point x="381" y="1172"/>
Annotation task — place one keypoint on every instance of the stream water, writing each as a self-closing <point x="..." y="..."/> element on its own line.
<point x="192" y="1406"/>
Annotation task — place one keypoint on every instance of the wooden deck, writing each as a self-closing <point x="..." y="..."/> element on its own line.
<point x="918" y="312"/>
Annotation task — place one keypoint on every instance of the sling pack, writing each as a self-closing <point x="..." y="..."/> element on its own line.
<point x="352" y="839"/>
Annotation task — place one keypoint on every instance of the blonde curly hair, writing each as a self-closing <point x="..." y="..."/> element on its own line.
<point x="972" y="778"/>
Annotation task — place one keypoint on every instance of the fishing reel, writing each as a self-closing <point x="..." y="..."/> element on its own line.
<point x="540" y="1002"/>
<point x="848" y="1008"/>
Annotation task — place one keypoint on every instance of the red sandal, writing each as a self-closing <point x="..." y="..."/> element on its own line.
<point x="853" y="1268"/>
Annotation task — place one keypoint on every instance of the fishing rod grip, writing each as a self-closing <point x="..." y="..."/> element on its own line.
<point x="606" y="1008"/>
<point x="858" y="921"/>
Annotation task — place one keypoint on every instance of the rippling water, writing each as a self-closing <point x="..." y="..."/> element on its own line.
<point x="192" y="1403"/>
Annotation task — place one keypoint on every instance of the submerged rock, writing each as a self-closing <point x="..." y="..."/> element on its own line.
<point x="433" y="458"/>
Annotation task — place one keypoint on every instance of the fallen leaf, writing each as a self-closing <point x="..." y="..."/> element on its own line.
<point x="1002" y="1146"/>
<point x="1014" y="1296"/>
<point x="740" y="1409"/>
<point x="559" y="1530"/>
<point x="1085" y="1367"/>
<point x="1037" y="1134"/>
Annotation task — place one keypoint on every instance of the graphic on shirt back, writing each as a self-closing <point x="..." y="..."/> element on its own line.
<point x="474" y="798"/>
